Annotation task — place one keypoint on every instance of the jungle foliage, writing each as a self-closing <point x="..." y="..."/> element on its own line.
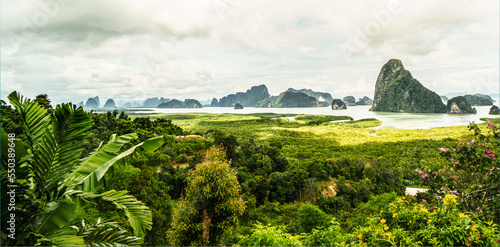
<point x="246" y="179"/>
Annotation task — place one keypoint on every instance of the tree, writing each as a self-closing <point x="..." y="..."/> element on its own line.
<point x="43" y="101"/>
<point x="54" y="184"/>
<point x="211" y="205"/>
<point x="471" y="173"/>
<point x="311" y="216"/>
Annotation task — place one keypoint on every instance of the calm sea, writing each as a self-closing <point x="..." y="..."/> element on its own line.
<point x="389" y="119"/>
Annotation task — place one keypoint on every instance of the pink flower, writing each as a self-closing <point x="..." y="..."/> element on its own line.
<point x="431" y="208"/>
<point x="423" y="200"/>
<point x="444" y="170"/>
<point x="468" y="143"/>
<point x="493" y="155"/>
<point x="490" y="124"/>
<point x="486" y="155"/>
<point x="436" y="173"/>
<point x="452" y="159"/>
<point x="451" y="169"/>
<point x="488" y="151"/>
<point x="472" y="141"/>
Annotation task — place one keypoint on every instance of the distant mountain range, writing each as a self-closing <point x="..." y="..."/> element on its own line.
<point x="395" y="90"/>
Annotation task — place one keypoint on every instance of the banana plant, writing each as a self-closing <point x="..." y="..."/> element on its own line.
<point x="53" y="184"/>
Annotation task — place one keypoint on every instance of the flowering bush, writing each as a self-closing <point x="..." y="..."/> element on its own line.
<point x="472" y="173"/>
<point x="402" y="223"/>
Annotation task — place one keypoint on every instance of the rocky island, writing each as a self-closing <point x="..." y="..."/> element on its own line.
<point x="338" y="104"/>
<point x="397" y="91"/>
<point x="248" y="98"/>
<point x="459" y="105"/>
<point x="110" y="104"/>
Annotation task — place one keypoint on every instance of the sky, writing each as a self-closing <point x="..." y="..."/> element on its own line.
<point x="130" y="50"/>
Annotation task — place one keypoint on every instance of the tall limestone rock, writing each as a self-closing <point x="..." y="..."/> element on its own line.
<point x="494" y="110"/>
<point x="192" y="103"/>
<point x="92" y="103"/>
<point x="246" y="99"/>
<point x="290" y="99"/>
<point x="397" y="91"/>
<point x="459" y="105"/>
<point x="349" y="100"/>
<point x="173" y="104"/>
<point x="338" y="104"/>
<point x="214" y="103"/>
<point x="110" y="104"/>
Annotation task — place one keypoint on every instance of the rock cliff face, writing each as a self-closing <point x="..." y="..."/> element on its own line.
<point x="459" y="105"/>
<point x="289" y="99"/>
<point x="338" y="104"/>
<point x="249" y="98"/>
<point x="268" y="103"/>
<point x="110" y="104"/>
<point x="238" y="106"/>
<point x="479" y="99"/>
<point x="494" y="110"/>
<point x="173" y="104"/>
<point x="214" y="103"/>
<point x="192" y="103"/>
<point x="92" y="103"/>
<point x="320" y="96"/>
<point x="364" y="101"/>
<point x="397" y="91"/>
<point x="349" y="100"/>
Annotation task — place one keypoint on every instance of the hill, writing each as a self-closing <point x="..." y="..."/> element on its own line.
<point x="397" y="91"/>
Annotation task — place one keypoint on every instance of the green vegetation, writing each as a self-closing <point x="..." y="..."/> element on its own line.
<point x="211" y="206"/>
<point x="479" y="99"/>
<point x="461" y="103"/>
<point x="397" y="91"/>
<point x="245" y="179"/>
<point x="54" y="185"/>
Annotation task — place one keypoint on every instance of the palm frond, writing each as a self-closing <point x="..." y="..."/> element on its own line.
<point x="138" y="214"/>
<point x="35" y="118"/>
<point x="58" y="216"/>
<point x="63" y="238"/>
<point x="59" y="149"/>
<point x="107" y="234"/>
<point x="92" y="169"/>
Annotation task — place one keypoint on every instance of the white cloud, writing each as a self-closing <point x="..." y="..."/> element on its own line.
<point x="204" y="49"/>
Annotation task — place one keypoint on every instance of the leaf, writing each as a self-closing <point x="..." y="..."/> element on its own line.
<point x="109" y="234"/>
<point x="66" y="240"/>
<point x="34" y="117"/>
<point x="59" y="217"/>
<point x="138" y="214"/>
<point x="92" y="169"/>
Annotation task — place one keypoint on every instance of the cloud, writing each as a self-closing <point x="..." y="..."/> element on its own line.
<point x="204" y="49"/>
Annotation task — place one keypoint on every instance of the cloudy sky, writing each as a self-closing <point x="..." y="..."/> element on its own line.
<point x="132" y="50"/>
